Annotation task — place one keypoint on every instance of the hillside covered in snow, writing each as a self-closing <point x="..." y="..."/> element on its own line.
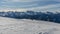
<point x="27" y="26"/>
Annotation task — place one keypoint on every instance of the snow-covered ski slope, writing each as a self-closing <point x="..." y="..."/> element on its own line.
<point x="26" y="26"/>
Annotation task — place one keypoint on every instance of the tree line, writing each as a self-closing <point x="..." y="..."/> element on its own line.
<point x="48" y="16"/>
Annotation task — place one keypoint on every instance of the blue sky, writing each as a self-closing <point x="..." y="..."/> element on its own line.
<point x="27" y="3"/>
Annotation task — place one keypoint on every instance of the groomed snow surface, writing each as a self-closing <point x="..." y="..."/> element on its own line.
<point x="26" y="26"/>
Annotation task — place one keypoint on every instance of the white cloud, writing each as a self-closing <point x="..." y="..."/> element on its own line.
<point x="33" y="8"/>
<point x="20" y="0"/>
<point x="32" y="0"/>
<point x="43" y="8"/>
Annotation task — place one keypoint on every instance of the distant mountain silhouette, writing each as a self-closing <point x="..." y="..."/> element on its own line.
<point x="48" y="16"/>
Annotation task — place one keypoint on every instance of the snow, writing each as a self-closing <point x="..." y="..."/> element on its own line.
<point x="26" y="26"/>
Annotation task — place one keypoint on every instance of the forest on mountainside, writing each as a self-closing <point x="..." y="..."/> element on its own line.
<point x="48" y="16"/>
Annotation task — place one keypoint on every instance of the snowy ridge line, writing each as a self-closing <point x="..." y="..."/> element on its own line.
<point x="45" y="16"/>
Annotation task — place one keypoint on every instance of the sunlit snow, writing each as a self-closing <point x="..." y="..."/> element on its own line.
<point x="26" y="26"/>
